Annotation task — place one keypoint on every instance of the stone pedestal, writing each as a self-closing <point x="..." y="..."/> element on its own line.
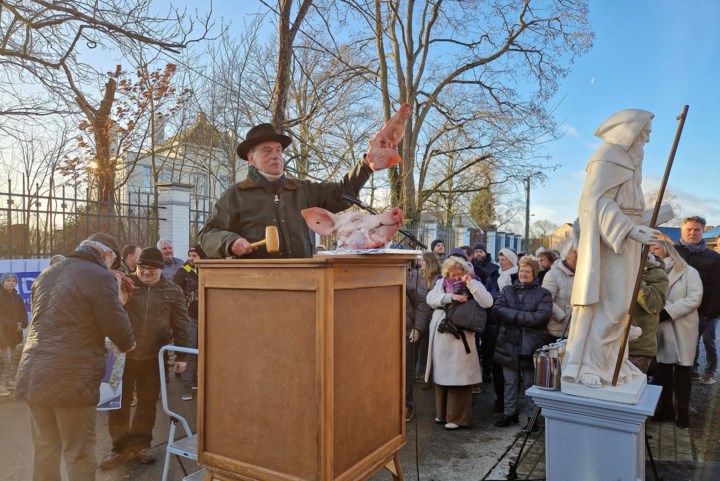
<point x="594" y="439"/>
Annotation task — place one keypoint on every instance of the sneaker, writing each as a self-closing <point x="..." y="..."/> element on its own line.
<point x="147" y="456"/>
<point x="187" y="394"/>
<point x="695" y="376"/>
<point x="451" y="426"/>
<point x="10" y="384"/>
<point x="708" y="379"/>
<point x="4" y="392"/>
<point x="112" y="459"/>
<point x="409" y="413"/>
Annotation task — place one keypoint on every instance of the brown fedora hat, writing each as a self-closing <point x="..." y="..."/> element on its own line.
<point x="259" y="134"/>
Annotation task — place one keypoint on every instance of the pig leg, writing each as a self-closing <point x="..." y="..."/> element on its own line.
<point x="383" y="147"/>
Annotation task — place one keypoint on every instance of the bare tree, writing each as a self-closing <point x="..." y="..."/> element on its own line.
<point x="484" y="69"/>
<point x="49" y="40"/>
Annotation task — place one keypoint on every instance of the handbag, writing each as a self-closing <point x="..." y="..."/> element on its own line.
<point x="467" y="315"/>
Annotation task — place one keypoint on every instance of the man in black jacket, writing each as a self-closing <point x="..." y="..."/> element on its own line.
<point x="157" y="313"/>
<point x="75" y="305"/>
<point x="187" y="279"/>
<point x="694" y="250"/>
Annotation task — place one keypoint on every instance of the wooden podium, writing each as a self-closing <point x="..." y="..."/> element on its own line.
<point x="301" y="369"/>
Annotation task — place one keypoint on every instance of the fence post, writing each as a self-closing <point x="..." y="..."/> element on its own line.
<point x="174" y="213"/>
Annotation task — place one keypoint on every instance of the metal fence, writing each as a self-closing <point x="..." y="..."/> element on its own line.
<point x="37" y="223"/>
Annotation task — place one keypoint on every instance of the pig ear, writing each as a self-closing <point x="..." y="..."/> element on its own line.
<point x="319" y="220"/>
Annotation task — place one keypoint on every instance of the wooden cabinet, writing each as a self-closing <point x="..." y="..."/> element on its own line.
<point x="301" y="369"/>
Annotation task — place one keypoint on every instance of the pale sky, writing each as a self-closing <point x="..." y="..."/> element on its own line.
<point x="656" y="55"/>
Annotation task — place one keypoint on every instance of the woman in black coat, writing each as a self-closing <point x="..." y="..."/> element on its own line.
<point x="523" y="310"/>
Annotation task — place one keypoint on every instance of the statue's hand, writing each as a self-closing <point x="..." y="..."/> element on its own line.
<point x="644" y="235"/>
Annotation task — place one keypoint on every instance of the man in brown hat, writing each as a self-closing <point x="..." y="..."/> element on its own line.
<point x="75" y="305"/>
<point x="158" y="313"/>
<point x="268" y="197"/>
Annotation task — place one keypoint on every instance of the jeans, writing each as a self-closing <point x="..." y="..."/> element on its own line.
<point x="63" y="431"/>
<point x="133" y="436"/>
<point x="189" y="375"/>
<point x="707" y="337"/>
<point x="6" y="362"/>
<point x="512" y="390"/>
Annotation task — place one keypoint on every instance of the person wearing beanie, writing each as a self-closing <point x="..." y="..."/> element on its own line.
<point x="523" y="309"/>
<point x="268" y="197"/>
<point x="187" y="279"/>
<point x="481" y="261"/>
<point x="13" y="319"/>
<point x="437" y="247"/>
<point x="75" y="306"/>
<point x="158" y="312"/>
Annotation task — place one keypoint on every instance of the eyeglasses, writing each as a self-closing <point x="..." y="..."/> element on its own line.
<point x="147" y="268"/>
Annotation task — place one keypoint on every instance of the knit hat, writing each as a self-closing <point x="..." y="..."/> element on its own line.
<point x="197" y="249"/>
<point x="531" y="261"/>
<point x="151" y="256"/>
<point x="459" y="252"/>
<point x="107" y="240"/>
<point x="436" y="242"/>
<point x="510" y="255"/>
<point x="480" y="245"/>
<point x="6" y="276"/>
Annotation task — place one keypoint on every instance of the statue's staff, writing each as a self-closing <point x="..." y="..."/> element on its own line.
<point x="646" y="247"/>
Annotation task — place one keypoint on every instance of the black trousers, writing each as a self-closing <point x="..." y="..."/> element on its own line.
<point x="675" y="382"/>
<point x="131" y="436"/>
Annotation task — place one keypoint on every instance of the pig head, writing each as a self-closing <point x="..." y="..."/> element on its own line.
<point x="355" y="230"/>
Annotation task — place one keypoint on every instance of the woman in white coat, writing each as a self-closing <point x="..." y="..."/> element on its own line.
<point x="677" y="335"/>
<point x="453" y="370"/>
<point x="559" y="281"/>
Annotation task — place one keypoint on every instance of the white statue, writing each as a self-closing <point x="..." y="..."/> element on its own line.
<point x="610" y="215"/>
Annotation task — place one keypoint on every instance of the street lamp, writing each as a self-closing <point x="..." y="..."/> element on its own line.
<point x="527" y="214"/>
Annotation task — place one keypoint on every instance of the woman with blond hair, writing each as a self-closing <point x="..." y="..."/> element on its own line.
<point x="677" y="335"/>
<point x="452" y="355"/>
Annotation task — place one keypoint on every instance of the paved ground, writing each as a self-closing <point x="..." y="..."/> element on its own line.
<point x="482" y="452"/>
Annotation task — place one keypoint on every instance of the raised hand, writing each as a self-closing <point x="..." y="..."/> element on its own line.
<point x="383" y="147"/>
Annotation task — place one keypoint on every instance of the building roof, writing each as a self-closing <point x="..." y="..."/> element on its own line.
<point x="712" y="233"/>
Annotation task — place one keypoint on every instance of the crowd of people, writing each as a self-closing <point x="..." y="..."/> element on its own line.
<point x="528" y="305"/>
<point x="143" y="298"/>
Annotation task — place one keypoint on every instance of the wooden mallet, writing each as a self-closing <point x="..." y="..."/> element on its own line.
<point x="271" y="240"/>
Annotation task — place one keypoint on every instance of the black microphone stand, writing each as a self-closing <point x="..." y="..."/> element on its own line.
<point x="408" y="235"/>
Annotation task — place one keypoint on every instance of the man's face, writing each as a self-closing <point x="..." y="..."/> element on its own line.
<point x="692" y="232"/>
<point x="439" y="248"/>
<point x="167" y="251"/>
<point x="192" y="257"/>
<point x="149" y="275"/>
<point x="479" y="254"/>
<point x="131" y="259"/>
<point x="267" y="157"/>
<point x="10" y="284"/>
